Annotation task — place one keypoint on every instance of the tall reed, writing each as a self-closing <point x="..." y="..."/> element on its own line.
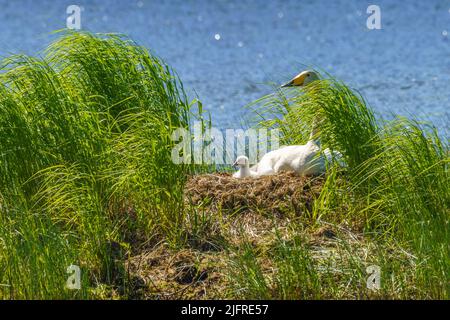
<point x="85" y="162"/>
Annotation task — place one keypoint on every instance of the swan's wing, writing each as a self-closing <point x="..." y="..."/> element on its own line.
<point x="266" y="172"/>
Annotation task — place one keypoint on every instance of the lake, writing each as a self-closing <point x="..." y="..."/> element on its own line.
<point x="227" y="52"/>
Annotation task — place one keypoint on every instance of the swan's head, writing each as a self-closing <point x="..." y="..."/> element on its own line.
<point x="241" y="162"/>
<point x="302" y="79"/>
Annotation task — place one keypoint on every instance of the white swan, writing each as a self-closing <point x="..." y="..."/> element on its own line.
<point x="302" y="79"/>
<point x="303" y="159"/>
<point x="244" y="168"/>
<point x="307" y="159"/>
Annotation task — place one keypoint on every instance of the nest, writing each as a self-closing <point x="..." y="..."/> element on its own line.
<point x="277" y="193"/>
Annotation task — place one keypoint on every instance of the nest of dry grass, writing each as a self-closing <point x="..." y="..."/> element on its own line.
<point x="198" y="271"/>
<point x="276" y="194"/>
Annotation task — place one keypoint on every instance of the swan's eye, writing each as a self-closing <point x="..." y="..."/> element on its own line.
<point x="308" y="75"/>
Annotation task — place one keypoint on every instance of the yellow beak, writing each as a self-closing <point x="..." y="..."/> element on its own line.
<point x="298" y="81"/>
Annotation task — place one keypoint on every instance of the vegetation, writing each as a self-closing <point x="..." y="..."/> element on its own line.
<point x="395" y="191"/>
<point x="85" y="162"/>
<point x="86" y="178"/>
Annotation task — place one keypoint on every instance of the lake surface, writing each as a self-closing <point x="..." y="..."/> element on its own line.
<point x="228" y="51"/>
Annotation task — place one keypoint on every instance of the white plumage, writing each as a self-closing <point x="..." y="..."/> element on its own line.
<point x="307" y="159"/>
<point x="299" y="158"/>
<point x="244" y="168"/>
<point x="304" y="159"/>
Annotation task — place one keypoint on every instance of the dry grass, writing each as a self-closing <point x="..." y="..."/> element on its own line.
<point x="246" y="211"/>
<point x="275" y="194"/>
<point x="240" y="210"/>
<point x="250" y="213"/>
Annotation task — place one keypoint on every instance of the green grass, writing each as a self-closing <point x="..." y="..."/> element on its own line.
<point x="396" y="188"/>
<point x="85" y="162"/>
<point x="86" y="178"/>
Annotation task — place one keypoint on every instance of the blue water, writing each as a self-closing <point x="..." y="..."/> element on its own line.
<point x="227" y="51"/>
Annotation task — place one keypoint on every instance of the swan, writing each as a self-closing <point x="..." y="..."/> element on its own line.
<point x="307" y="159"/>
<point x="302" y="79"/>
<point x="303" y="159"/>
<point x="244" y="168"/>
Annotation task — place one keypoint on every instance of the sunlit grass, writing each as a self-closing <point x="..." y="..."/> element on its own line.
<point x="85" y="161"/>
<point x="395" y="190"/>
<point x="86" y="178"/>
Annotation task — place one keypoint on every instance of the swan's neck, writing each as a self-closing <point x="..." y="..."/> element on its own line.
<point x="244" y="172"/>
<point x="314" y="137"/>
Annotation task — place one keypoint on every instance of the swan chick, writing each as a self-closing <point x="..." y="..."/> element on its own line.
<point x="244" y="171"/>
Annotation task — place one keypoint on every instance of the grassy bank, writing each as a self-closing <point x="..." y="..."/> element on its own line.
<point x="395" y="193"/>
<point x="85" y="163"/>
<point x="86" y="178"/>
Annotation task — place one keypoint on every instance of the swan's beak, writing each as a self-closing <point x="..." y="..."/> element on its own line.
<point x="235" y="164"/>
<point x="288" y="84"/>
<point x="298" y="81"/>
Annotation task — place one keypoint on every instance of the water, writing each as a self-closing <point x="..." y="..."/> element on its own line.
<point x="227" y="51"/>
